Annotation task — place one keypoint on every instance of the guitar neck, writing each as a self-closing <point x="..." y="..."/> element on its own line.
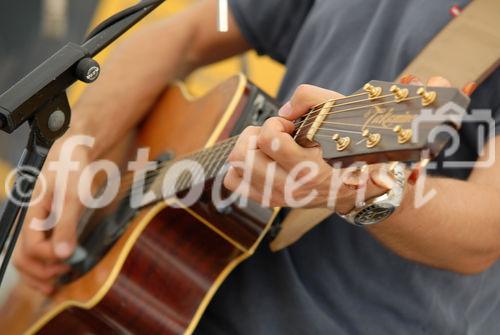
<point x="211" y="159"/>
<point x="182" y="173"/>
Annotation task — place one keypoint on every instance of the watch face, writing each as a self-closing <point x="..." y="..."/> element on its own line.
<point x="373" y="214"/>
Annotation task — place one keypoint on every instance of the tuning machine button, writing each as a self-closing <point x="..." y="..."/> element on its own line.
<point x="427" y="97"/>
<point x="373" y="92"/>
<point x="371" y="139"/>
<point x="399" y="93"/>
<point x="404" y="135"/>
<point x="342" y="142"/>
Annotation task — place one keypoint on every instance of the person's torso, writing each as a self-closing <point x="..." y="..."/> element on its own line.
<point x="337" y="279"/>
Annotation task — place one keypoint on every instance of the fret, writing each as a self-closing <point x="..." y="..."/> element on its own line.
<point x="213" y="157"/>
<point x="188" y="177"/>
<point x="220" y="157"/>
<point x="210" y="159"/>
<point x="200" y="157"/>
<point x="184" y="181"/>
<point x="160" y="182"/>
<point x="224" y="156"/>
<point x="205" y="157"/>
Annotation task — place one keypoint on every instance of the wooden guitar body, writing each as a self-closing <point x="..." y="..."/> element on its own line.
<point x="160" y="274"/>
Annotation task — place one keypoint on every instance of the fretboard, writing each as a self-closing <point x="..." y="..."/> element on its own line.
<point x="211" y="160"/>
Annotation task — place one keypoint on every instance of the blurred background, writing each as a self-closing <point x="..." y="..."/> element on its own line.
<point x="32" y="30"/>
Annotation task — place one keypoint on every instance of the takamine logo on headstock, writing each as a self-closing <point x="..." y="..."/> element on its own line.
<point x="386" y="118"/>
<point x="380" y="118"/>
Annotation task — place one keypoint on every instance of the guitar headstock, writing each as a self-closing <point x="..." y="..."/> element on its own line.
<point x="383" y="121"/>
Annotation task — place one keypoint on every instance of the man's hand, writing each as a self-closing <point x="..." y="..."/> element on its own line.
<point x="299" y="173"/>
<point x="45" y="244"/>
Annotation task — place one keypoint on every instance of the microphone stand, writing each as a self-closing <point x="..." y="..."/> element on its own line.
<point x="40" y="99"/>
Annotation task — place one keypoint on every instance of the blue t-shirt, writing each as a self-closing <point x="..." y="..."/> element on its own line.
<point x="338" y="279"/>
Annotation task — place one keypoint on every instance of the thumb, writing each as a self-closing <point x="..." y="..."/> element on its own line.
<point x="304" y="98"/>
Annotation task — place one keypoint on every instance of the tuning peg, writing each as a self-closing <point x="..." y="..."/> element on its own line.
<point x="373" y="91"/>
<point x="399" y="93"/>
<point x="404" y="135"/>
<point x="342" y="142"/>
<point x="427" y="97"/>
<point x="371" y="139"/>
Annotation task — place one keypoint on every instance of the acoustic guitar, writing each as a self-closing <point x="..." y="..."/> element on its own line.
<point x="153" y="268"/>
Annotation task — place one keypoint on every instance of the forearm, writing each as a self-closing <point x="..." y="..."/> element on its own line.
<point x="457" y="230"/>
<point x="134" y="75"/>
<point x="141" y="67"/>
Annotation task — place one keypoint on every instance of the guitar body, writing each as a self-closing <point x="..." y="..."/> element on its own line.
<point x="160" y="274"/>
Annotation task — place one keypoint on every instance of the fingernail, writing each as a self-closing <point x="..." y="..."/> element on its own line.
<point x="285" y="110"/>
<point x="63" y="250"/>
<point x="469" y="88"/>
<point x="406" y="79"/>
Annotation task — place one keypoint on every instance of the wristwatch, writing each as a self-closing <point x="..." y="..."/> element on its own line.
<point x="378" y="209"/>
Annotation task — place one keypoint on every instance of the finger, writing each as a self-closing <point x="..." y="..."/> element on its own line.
<point x="438" y="82"/>
<point x="37" y="247"/>
<point x="264" y="172"/>
<point x="279" y="125"/>
<point x="374" y="176"/>
<point x="304" y="98"/>
<point x="246" y="141"/>
<point x="236" y="184"/>
<point x="39" y="270"/>
<point x="276" y="143"/>
<point x="285" y="110"/>
<point x="33" y="242"/>
<point x="231" y="179"/>
<point x="362" y="184"/>
<point x="64" y="237"/>
<point x="380" y="180"/>
<point x="43" y="287"/>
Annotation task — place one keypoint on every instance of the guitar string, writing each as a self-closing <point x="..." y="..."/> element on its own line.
<point x="125" y="188"/>
<point x="354" y="125"/>
<point x="213" y="151"/>
<point x="321" y="104"/>
<point x="382" y="130"/>
<point x="318" y="110"/>
<point x="153" y="173"/>
<point x="367" y="106"/>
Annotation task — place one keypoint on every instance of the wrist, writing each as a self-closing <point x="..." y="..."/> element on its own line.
<point x="376" y="209"/>
<point x="84" y="126"/>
